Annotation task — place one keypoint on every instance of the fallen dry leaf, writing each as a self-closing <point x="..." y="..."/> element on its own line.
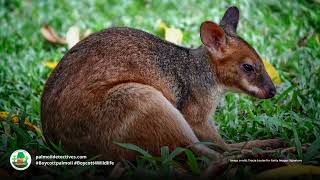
<point x="73" y="36"/>
<point x="50" y="35"/>
<point x="50" y="64"/>
<point x="273" y="73"/>
<point x="171" y="34"/>
<point x="162" y="25"/>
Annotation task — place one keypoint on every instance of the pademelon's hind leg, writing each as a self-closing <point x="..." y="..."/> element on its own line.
<point x="263" y="144"/>
<point x="141" y="115"/>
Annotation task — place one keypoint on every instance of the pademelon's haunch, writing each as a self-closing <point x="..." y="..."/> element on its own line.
<point x="126" y="85"/>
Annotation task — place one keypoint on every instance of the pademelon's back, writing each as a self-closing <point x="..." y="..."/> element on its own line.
<point x="114" y="54"/>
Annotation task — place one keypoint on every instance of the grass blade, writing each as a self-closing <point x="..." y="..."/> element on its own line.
<point x="133" y="148"/>
<point x="176" y="152"/>
<point x="192" y="162"/>
<point x="298" y="143"/>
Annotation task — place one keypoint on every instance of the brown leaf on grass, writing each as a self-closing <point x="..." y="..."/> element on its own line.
<point x="50" y="35"/>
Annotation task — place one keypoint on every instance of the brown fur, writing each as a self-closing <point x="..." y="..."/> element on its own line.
<point x="126" y="85"/>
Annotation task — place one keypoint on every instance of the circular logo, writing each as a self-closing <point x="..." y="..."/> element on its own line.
<point x="20" y="159"/>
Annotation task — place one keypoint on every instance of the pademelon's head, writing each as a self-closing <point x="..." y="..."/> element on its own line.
<point x="236" y="65"/>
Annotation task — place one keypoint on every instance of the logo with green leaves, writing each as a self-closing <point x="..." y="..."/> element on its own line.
<point x="20" y="159"/>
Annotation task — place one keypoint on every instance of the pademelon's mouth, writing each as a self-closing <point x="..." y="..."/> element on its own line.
<point x="264" y="93"/>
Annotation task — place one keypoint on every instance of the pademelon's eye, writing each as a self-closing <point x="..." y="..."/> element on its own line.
<point x="247" y="67"/>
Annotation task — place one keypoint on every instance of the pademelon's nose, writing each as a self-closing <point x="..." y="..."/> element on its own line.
<point x="272" y="92"/>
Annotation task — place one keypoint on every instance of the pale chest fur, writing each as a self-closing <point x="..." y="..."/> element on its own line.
<point x="201" y="105"/>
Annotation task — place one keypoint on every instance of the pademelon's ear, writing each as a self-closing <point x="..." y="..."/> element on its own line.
<point x="230" y="20"/>
<point x="212" y="36"/>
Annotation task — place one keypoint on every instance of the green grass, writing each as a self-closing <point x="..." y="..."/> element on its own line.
<point x="284" y="32"/>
